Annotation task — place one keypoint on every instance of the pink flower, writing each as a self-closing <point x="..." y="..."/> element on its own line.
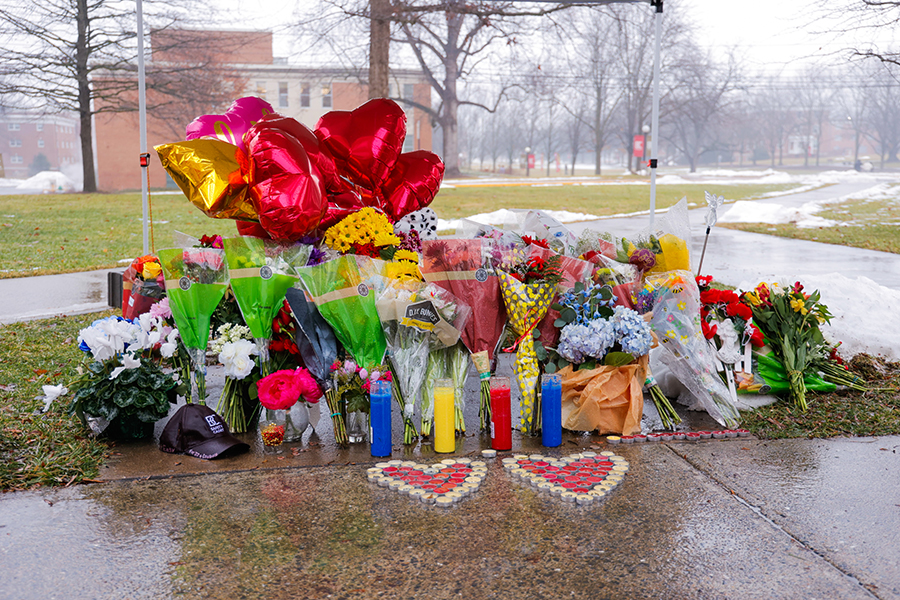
<point x="161" y="309"/>
<point x="280" y="390"/>
<point x="363" y="374"/>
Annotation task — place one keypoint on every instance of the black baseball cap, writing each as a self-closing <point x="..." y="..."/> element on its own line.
<point x="198" y="430"/>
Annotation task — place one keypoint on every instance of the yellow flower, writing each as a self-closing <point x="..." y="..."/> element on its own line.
<point x="752" y="298"/>
<point x="384" y="238"/>
<point x="682" y="305"/>
<point x="151" y="270"/>
<point x="406" y="255"/>
<point x="798" y="305"/>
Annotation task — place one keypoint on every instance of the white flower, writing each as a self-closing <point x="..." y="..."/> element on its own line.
<point x="168" y="348"/>
<point x="235" y="356"/>
<point x="128" y="362"/>
<point x="51" y="393"/>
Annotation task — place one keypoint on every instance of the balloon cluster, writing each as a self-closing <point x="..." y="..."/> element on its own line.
<point x="281" y="180"/>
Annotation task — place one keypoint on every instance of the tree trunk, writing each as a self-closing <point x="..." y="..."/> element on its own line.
<point x="84" y="98"/>
<point x="379" y="48"/>
<point x="449" y="120"/>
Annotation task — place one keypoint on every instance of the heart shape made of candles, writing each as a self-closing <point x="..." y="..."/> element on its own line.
<point x="366" y="141"/>
<point x="231" y="126"/>
<point x="442" y="484"/>
<point x="584" y="479"/>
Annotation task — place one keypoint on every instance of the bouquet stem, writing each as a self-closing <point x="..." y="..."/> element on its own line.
<point x="798" y="389"/>
<point x="666" y="412"/>
<point x="231" y="406"/>
<point x="832" y="373"/>
<point x="337" y="418"/>
<point x="534" y="428"/>
<point x="484" y="411"/>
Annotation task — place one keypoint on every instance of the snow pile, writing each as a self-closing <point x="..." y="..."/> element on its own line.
<point x="48" y="181"/>
<point x="743" y="211"/>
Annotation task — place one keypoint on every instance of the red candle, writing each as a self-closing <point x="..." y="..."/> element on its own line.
<point x="501" y="417"/>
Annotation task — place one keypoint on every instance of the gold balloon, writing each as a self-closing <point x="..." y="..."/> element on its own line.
<point x="209" y="174"/>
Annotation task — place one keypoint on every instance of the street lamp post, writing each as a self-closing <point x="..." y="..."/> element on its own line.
<point x="528" y="161"/>
<point x="646" y="131"/>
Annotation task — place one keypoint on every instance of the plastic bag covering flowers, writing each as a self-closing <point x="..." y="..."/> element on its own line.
<point x="282" y="389"/>
<point x="676" y="322"/>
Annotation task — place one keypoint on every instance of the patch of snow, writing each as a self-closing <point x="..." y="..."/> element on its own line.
<point x="48" y="182"/>
<point x="513" y="219"/>
<point x="776" y="214"/>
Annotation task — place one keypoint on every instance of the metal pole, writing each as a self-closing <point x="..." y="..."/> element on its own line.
<point x="142" y="111"/>
<point x="654" y="131"/>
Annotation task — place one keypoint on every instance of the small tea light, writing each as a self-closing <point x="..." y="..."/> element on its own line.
<point x="395" y="463"/>
<point x="544" y="486"/>
<point x="408" y="463"/>
<point x="443" y="502"/>
<point x="396" y="484"/>
<point x="743" y="432"/>
<point x="489" y="453"/>
<point x="705" y="435"/>
<point x="382" y="465"/>
<point x="568" y="496"/>
<point x="557" y="490"/>
<point x="597" y="494"/>
<point x="731" y="433"/>
<point x="477" y="463"/>
<point x="679" y="436"/>
<point x="719" y="435"/>
<point x="508" y="459"/>
<point x="665" y="437"/>
<point x="640" y="438"/>
<point x="448" y="461"/>
<point x="428" y="498"/>
<point x="404" y="490"/>
<point x="454" y="496"/>
<point x="520" y="456"/>
<point x="607" y="453"/>
<point x="619" y="469"/>
<point x="627" y="439"/>
<point x="692" y="436"/>
<point x="584" y="499"/>
<point x="417" y="493"/>
<point x="385" y="481"/>
<point x="613" y="439"/>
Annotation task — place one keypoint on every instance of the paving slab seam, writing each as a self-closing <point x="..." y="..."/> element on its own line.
<point x="759" y="512"/>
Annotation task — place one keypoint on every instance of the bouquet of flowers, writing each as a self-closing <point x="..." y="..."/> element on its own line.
<point x="260" y="273"/>
<point x="196" y="280"/>
<point x="235" y="348"/>
<point x="527" y="293"/>
<point x="726" y="323"/>
<point x="366" y="232"/>
<point x="123" y="387"/>
<point x="353" y="384"/>
<point x="677" y="324"/>
<point x="143" y="286"/>
<point x="417" y="318"/>
<point x="465" y="268"/>
<point x="280" y="391"/>
<point x="789" y="320"/>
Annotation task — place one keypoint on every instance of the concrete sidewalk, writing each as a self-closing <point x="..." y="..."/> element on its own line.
<point x="735" y="519"/>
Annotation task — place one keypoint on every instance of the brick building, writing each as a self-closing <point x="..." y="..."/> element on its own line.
<point x="302" y="93"/>
<point x="25" y="136"/>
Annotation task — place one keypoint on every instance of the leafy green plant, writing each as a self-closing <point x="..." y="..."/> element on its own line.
<point x="131" y="401"/>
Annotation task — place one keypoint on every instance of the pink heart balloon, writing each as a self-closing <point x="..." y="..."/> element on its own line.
<point x="413" y="183"/>
<point x="231" y="127"/>
<point x="366" y="141"/>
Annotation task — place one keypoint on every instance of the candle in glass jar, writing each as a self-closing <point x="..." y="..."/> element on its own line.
<point x="444" y="427"/>
<point x="380" y="418"/>
<point x="501" y="415"/>
<point x="551" y="410"/>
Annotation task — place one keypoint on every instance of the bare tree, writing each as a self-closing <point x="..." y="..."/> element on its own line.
<point x="883" y="114"/>
<point x="700" y="96"/>
<point x="75" y="55"/>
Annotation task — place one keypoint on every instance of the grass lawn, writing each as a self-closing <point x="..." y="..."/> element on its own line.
<point x="41" y="235"/>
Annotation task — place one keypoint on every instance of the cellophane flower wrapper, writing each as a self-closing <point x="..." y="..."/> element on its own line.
<point x="261" y="271"/>
<point x="676" y="323"/>
<point x="416" y="318"/>
<point x="196" y="280"/>
<point x="526" y="305"/>
<point x="573" y="271"/>
<point x="348" y="305"/>
<point x="466" y="268"/>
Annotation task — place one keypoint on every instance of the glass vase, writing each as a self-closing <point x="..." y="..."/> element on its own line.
<point x="295" y="420"/>
<point x="357" y="426"/>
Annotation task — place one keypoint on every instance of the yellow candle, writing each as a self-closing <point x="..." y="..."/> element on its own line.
<point x="444" y="428"/>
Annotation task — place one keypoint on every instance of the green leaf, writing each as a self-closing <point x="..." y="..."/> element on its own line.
<point x="568" y="314"/>
<point x="560" y="323"/>
<point x="550" y="367"/>
<point x="128" y="376"/>
<point x="618" y="359"/>
<point x="535" y="334"/>
<point x="125" y="397"/>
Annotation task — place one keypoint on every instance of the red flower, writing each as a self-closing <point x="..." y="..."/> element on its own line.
<point x="736" y="309"/>
<point x="703" y="281"/>
<point x="708" y="330"/>
<point x="536" y="242"/>
<point x="280" y="390"/>
<point x="276" y="346"/>
<point x="276" y="326"/>
<point x="756" y="338"/>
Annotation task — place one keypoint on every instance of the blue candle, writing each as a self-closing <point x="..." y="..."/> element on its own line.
<point x="380" y="418"/>
<point x="551" y="410"/>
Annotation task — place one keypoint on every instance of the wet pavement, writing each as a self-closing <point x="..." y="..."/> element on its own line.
<point x="713" y="519"/>
<point x="44" y="296"/>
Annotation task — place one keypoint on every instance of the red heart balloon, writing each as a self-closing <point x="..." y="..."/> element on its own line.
<point x="230" y="127"/>
<point x="320" y="158"/>
<point x="413" y="183"/>
<point x="252" y="228"/>
<point x="287" y="192"/>
<point x="366" y="141"/>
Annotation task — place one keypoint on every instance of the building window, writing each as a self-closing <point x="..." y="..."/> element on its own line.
<point x="304" y="95"/>
<point x="326" y="96"/>
<point x="39" y="126"/>
<point x="15" y="143"/>
<point x="16" y="159"/>
<point x="40" y="143"/>
<point x="282" y="94"/>
<point x="13" y="127"/>
<point x="408" y="91"/>
<point x="261" y="89"/>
